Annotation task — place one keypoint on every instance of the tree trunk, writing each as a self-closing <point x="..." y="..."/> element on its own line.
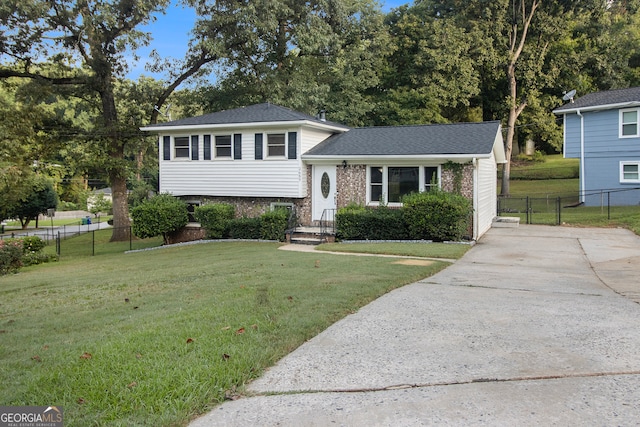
<point x="511" y="130"/>
<point x="516" y="44"/>
<point x="121" y="223"/>
<point x="117" y="169"/>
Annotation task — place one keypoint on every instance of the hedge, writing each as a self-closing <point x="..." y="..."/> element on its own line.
<point x="215" y="218"/>
<point x="437" y="215"/>
<point x="274" y="225"/>
<point x="245" y="228"/>
<point x="363" y="223"/>
<point x="159" y="215"/>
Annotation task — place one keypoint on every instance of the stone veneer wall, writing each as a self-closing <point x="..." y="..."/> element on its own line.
<point x="448" y="178"/>
<point x="255" y="207"/>
<point x="351" y="185"/>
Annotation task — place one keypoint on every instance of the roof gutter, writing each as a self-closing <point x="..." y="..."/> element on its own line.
<point x="387" y="157"/>
<point x="598" y="107"/>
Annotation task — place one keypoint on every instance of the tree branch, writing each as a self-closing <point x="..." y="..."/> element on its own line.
<point x="7" y="72"/>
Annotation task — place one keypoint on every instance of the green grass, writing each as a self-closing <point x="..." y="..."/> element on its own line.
<point x="545" y="188"/>
<point x="97" y="243"/>
<point x="425" y="250"/>
<point x="167" y="333"/>
<point x="554" y="167"/>
<point x="544" y="193"/>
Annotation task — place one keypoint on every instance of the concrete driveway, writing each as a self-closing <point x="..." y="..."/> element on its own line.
<point x="535" y="325"/>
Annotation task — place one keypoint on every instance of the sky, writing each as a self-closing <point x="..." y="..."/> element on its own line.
<point x="170" y="33"/>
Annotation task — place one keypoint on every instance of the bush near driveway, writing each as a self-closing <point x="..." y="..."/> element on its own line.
<point x="437" y="215"/>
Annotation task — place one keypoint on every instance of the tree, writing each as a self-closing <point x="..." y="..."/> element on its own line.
<point x="431" y="77"/>
<point x="99" y="35"/>
<point x="27" y="197"/>
<point x="322" y="54"/>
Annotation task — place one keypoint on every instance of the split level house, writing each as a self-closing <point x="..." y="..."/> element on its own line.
<point x="263" y="156"/>
<point x="602" y="130"/>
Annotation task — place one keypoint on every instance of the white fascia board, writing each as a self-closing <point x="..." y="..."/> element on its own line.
<point x="599" y="107"/>
<point x="289" y="124"/>
<point x="394" y="158"/>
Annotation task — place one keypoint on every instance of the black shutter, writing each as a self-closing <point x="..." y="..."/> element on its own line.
<point x="237" y="146"/>
<point x="194" y="147"/>
<point x="166" y="148"/>
<point x="293" y="145"/>
<point x="258" y="146"/>
<point x="207" y="147"/>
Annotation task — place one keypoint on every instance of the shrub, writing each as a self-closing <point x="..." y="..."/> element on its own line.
<point x="245" y="228"/>
<point x="10" y="256"/>
<point x="32" y="247"/>
<point x="360" y="223"/>
<point x="32" y="244"/>
<point x="159" y="215"/>
<point x="215" y="218"/>
<point x="274" y="225"/>
<point x="437" y="215"/>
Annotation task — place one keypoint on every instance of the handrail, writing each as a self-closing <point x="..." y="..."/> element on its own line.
<point x="327" y="222"/>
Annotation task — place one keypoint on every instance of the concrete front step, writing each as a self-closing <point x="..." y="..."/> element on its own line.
<point x="506" y="222"/>
<point x="309" y="236"/>
<point x="306" y="240"/>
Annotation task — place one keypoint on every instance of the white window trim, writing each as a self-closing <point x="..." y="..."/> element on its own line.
<point x="629" y="181"/>
<point x="214" y="147"/>
<point x="173" y="148"/>
<point x="385" y="182"/>
<point x="637" y="123"/>
<point x="265" y="146"/>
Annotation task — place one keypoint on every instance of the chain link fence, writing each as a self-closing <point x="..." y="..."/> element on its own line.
<point x="84" y="238"/>
<point x="556" y="210"/>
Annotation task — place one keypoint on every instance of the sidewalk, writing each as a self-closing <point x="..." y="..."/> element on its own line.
<point x="534" y="326"/>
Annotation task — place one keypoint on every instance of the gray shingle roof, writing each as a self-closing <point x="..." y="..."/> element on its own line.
<point x="457" y="138"/>
<point x="259" y="113"/>
<point x="596" y="99"/>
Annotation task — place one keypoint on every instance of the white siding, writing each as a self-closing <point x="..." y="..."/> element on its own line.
<point x="233" y="178"/>
<point x="486" y="193"/>
<point x="312" y="137"/>
<point x="244" y="177"/>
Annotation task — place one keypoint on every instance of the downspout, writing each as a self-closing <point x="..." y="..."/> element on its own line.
<point x="475" y="199"/>
<point x="582" y="172"/>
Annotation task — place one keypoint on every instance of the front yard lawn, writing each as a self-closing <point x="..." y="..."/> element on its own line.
<point x="158" y="337"/>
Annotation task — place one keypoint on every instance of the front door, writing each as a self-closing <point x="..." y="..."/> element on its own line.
<point x="324" y="190"/>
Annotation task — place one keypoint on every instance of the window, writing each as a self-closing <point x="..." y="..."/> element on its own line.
<point x="223" y="146"/>
<point x="629" y="123"/>
<point x="275" y="145"/>
<point x="376" y="184"/>
<point x="191" y="209"/>
<point x="402" y="181"/>
<point x="630" y="172"/>
<point x="181" y="147"/>
<point x="430" y="178"/>
<point x="391" y="184"/>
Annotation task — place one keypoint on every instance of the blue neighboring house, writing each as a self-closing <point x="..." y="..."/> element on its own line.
<point x="602" y="129"/>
